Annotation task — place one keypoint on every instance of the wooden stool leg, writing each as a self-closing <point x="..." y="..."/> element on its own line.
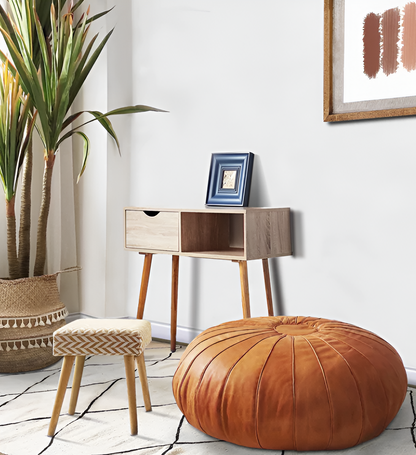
<point x="145" y="282"/>
<point x="60" y="393"/>
<point x="267" y="286"/>
<point x="244" y="289"/>
<point x="141" y="368"/>
<point x="76" y="383"/>
<point x="131" y="392"/>
<point x="174" y="303"/>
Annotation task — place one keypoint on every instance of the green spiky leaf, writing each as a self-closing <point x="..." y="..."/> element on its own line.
<point x="85" y="153"/>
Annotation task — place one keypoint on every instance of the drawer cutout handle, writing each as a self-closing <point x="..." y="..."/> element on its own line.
<point x="151" y="213"/>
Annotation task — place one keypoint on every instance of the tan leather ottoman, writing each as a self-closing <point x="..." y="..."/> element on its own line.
<point x="290" y="383"/>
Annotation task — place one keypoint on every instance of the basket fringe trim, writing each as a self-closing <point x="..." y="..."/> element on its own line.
<point x="37" y="343"/>
<point x="33" y="321"/>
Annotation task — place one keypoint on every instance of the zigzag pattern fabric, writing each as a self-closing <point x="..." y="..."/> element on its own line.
<point x="102" y="337"/>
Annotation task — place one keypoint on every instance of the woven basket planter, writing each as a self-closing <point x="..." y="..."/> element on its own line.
<point x="30" y="311"/>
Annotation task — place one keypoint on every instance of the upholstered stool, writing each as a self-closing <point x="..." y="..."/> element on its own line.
<point x="103" y="337"/>
<point x="290" y="383"/>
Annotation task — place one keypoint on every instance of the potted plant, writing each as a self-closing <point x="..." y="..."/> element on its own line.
<point x="51" y="58"/>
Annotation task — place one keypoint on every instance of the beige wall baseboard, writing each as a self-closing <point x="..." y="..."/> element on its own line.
<point x="411" y="376"/>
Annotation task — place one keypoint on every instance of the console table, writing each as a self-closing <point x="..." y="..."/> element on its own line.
<point x="236" y="234"/>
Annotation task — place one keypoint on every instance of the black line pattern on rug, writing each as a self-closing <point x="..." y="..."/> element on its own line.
<point x="10" y="395"/>
<point x="70" y="387"/>
<point x="118" y="363"/>
<point x="398" y="429"/>
<point x="146" y="361"/>
<point x="55" y="389"/>
<point x="171" y="446"/>
<point x="159" y="446"/>
<point x="43" y="370"/>
<point x="81" y="415"/>
<point x="192" y="443"/>
<point x="178" y="433"/>
<point x="138" y="407"/>
<point x="412" y="429"/>
<point x="28" y="388"/>
<point x="132" y="450"/>
<point x="33" y="419"/>
<point x="161" y="360"/>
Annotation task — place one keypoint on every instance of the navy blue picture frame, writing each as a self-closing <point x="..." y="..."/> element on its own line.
<point x="240" y="167"/>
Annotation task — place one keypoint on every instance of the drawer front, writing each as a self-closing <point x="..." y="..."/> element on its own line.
<point x="152" y="230"/>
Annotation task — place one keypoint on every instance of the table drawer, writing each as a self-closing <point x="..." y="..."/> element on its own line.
<point x="150" y="230"/>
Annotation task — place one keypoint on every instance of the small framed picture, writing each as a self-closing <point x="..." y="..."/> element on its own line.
<point x="230" y="179"/>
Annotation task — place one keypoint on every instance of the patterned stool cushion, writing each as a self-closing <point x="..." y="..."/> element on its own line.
<point x="102" y="337"/>
<point x="290" y="383"/>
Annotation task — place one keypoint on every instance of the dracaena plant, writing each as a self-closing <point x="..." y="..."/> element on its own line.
<point x="53" y="57"/>
<point x="16" y="125"/>
<point x="27" y="30"/>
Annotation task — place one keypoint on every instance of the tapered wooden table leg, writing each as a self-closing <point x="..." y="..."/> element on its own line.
<point x="76" y="383"/>
<point x="131" y="392"/>
<point x="267" y="286"/>
<point x="174" y="302"/>
<point x="60" y="393"/>
<point x="244" y="289"/>
<point x="141" y="368"/>
<point x="145" y="282"/>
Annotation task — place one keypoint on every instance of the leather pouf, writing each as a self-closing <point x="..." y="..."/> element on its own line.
<point x="290" y="383"/>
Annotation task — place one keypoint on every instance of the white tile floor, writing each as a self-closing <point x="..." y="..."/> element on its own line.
<point x="101" y="423"/>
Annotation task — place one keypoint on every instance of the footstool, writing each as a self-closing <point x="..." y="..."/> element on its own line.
<point x="101" y="337"/>
<point x="290" y="383"/>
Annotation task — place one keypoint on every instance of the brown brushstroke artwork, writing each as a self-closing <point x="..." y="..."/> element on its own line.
<point x="372" y="45"/>
<point x="381" y="37"/>
<point x="390" y="28"/>
<point x="359" y="51"/>
<point x="409" y="37"/>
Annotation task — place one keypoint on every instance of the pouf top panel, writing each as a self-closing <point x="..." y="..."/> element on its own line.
<point x="290" y="383"/>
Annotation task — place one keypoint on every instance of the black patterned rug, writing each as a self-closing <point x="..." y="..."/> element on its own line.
<point x="101" y="424"/>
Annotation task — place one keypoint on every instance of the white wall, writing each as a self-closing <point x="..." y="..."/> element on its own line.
<point x="244" y="75"/>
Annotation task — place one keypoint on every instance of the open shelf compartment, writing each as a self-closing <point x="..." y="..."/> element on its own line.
<point x="213" y="234"/>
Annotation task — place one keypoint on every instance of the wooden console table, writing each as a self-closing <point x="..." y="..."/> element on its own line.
<point x="236" y="234"/>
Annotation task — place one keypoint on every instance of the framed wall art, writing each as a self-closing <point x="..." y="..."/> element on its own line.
<point x="230" y="179"/>
<point x="369" y="59"/>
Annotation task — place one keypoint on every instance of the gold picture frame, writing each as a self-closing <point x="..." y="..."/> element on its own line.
<point x="335" y="109"/>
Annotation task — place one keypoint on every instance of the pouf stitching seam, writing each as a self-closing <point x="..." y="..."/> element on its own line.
<point x="225" y="339"/>
<point x="356" y="385"/>
<point x="228" y="376"/>
<point x="376" y="338"/>
<point x="379" y="380"/>
<point x="330" y="402"/>
<point x="190" y="365"/>
<point x="258" y="388"/>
